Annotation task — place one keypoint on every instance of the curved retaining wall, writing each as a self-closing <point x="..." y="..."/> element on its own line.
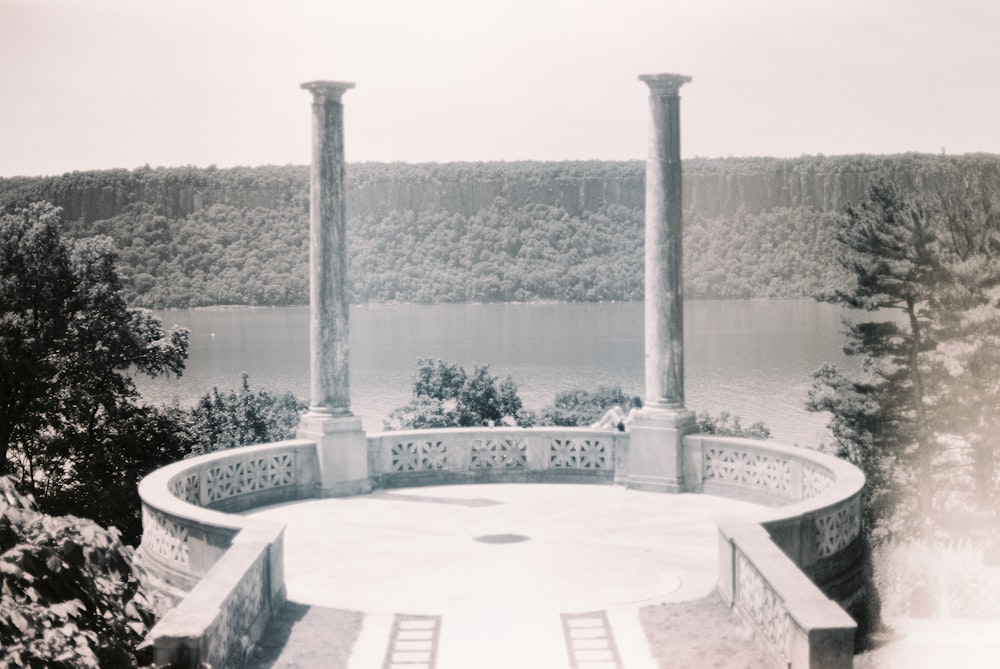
<point x="226" y="571"/>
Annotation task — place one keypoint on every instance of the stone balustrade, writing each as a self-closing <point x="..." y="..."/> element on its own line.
<point x="793" y="569"/>
<point x="785" y="569"/>
<point x="486" y="455"/>
<point x="224" y="572"/>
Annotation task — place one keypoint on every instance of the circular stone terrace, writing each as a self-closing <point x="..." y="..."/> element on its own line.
<point x="502" y="575"/>
<point x="541" y="558"/>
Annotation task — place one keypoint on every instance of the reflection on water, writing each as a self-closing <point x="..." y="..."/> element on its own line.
<point x="751" y="358"/>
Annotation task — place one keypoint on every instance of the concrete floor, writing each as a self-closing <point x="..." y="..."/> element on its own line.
<point x="552" y="553"/>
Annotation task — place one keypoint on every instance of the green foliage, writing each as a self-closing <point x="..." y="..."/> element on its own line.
<point x="577" y="407"/>
<point x="445" y="395"/>
<point x="238" y="418"/>
<point x="726" y="425"/>
<point x="70" y="426"/>
<point x="68" y="595"/>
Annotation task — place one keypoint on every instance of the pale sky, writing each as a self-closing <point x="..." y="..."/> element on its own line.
<point x="97" y="84"/>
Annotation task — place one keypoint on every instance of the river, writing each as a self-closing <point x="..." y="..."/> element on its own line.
<point x="750" y="358"/>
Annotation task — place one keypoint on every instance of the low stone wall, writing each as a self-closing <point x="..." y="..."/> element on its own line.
<point x="782" y="568"/>
<point x="225" y="573"/>
<point x="486" y="455"/>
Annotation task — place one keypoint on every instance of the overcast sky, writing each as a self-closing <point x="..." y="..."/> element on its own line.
<point x="98" y="84"/>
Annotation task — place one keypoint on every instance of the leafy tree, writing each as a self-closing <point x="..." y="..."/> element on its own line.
<point x="444" y="395"/>
<point x="69" y="595"/>
<point x="237" y="418"/>
<point x="70" y="425"/>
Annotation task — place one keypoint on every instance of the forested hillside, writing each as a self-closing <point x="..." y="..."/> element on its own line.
<point x="457" y="232"/>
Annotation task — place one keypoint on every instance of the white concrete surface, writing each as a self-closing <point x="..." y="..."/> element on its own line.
<point x="588" y="548"/>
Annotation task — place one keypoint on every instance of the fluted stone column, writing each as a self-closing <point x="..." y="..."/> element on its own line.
<point x="656" y="439"/>
<point x="341" y="442"/>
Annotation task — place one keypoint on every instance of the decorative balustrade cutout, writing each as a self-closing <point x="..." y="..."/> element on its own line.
<point x="511" y="453"/>
<point x="165" y="538"/>
<point x="762" y="605"/>
<point x="578" y="454"/>
<point x="249" y="474"/>
<point x="836" y="531"/>
<point x="415" y="456"/>
<point x="741" y="466"/>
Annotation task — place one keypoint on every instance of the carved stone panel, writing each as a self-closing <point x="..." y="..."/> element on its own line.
<point x="740" y="466"/>
<point x="579" y="454"/>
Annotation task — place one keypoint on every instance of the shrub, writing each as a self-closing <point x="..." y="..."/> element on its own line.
<point x="725" y="425"/>
<point x="576" y="408"/>
<point x="444" y="395"/>
<point x="241" y="417"/>
<point x="69" y="596"/>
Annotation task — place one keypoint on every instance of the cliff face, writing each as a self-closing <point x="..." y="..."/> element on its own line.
<point x="574" y="194"/>
<point x="712" y="187"/>
<point x="487" y="232"/>
<point x="172" y="192"/>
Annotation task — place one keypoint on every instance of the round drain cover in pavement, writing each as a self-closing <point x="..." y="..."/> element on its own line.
<point x="502" y="538"/>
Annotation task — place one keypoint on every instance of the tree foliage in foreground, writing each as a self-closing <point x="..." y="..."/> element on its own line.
<point x="68" y="595"/>
<point x="71" y="428"/>
<point x="920" y="420"/>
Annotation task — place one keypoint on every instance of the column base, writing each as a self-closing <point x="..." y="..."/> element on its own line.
<point x="342" y="450"/>
<point x="656" y="449"/>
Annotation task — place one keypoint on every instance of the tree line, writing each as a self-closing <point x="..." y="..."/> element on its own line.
<point x="479" y="232"/>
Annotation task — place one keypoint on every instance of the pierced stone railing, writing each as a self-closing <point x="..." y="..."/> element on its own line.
<point x="224" y="572"/>
<point x="784" y="569"/>
<point x="481" y="455"/>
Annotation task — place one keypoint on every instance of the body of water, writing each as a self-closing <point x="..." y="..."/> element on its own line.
<point x="751" y="358"/>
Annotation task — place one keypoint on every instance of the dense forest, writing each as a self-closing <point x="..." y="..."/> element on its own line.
<point x="481" y="232"/>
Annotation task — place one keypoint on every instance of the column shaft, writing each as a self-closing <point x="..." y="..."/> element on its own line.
<point x="656" y="441"/>
<point x="328" y="298"/>
<point x="664" y="303"/>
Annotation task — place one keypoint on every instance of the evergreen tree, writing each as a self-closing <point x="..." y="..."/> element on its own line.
<point x="930" y="358"/>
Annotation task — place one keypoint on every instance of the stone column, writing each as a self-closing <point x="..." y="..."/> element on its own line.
<point x="341" y="442"/>
<point x="656" y="440"/>
<point x="328" y="303"/>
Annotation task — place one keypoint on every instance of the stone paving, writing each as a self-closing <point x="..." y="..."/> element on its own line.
<point x="501" y="575"/>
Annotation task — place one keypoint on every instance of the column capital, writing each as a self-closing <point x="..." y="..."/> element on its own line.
<point x="328" y="90"/>
<point x="664" y="84"/>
